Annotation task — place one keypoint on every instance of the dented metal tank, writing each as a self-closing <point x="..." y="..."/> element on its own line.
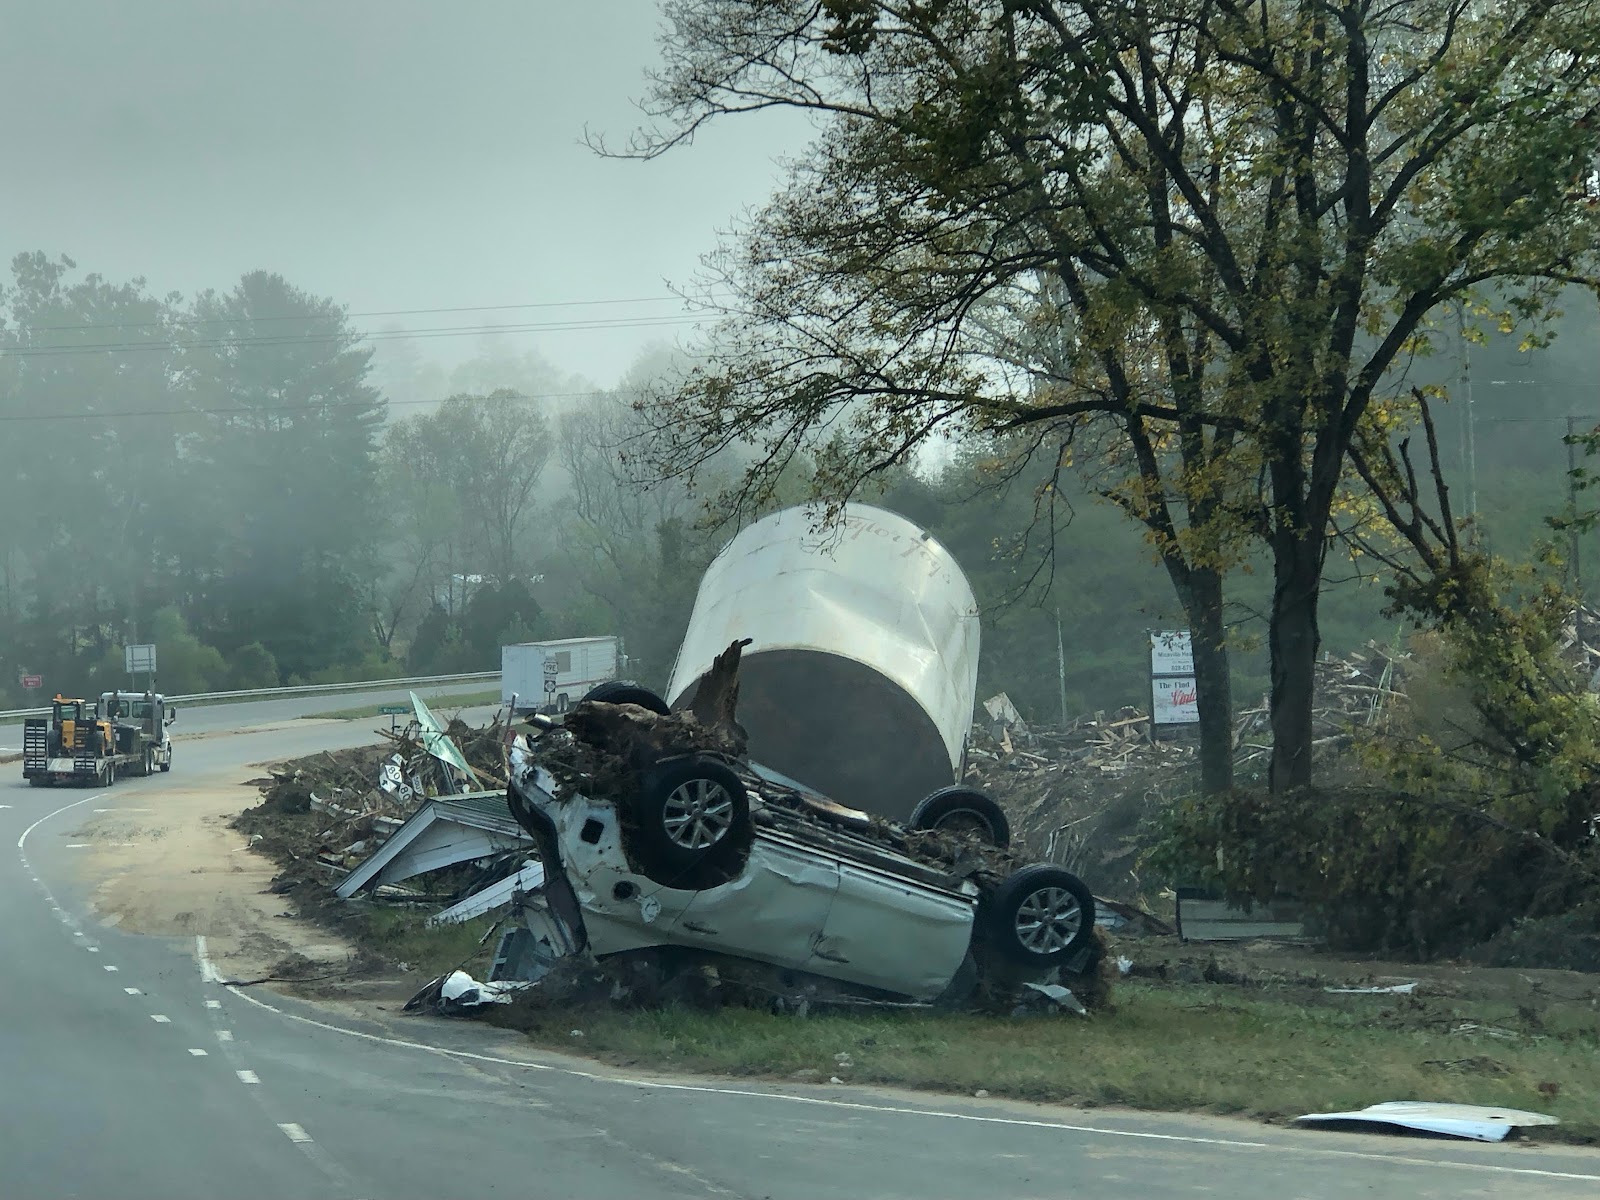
<point x="863" y="664"/>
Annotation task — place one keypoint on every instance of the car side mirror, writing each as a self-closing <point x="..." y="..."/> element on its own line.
<point x="172" y="715"/>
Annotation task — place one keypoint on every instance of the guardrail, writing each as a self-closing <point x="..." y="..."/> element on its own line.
<point x="314" y="689"/>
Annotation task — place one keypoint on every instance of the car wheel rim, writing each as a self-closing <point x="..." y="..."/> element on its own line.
<point x="1048" y="920"/>
<point x="697" y="814"/>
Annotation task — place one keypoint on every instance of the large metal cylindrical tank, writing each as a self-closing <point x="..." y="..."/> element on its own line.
<point x="863" y="664"/>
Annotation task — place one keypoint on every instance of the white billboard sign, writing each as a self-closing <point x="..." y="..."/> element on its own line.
<point x="1170" y="652"/>
<point x="140" y="659"/>
<point x="1175" y="701"/>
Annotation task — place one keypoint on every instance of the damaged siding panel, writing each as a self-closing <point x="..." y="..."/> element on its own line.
<point x="440" y="834"/>
<point x="443" y="844"/>
<point x="496" y="895"/>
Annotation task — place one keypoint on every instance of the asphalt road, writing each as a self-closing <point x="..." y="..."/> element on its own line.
<point x="226" y="717"/>
<point x="127" y="1070"/>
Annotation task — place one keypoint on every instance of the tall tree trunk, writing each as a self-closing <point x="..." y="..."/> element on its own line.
<point x="1293" y="640"/>
<point x="1200" y="592"/>
<point x="1213" y="679"/>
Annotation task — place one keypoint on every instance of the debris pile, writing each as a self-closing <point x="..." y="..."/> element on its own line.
<point x="1583" y="652"/>
<point x="324" y="813"/>
<point x="1081" y="795"/>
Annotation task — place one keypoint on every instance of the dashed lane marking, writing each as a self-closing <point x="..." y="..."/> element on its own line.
<point x="213" y="1003"/>
<point x="224" y="1035"/>
<point x="197" y="1052"/>
<point x="108" y="967"/>
<point x="160" y="1020"/>
<point x="294" y="1132"/>
<point x="132" y="991"/>
<point x="248" y="1077"/>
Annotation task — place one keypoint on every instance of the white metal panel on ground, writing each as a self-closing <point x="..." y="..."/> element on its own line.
<point x="443" y="832"/>
<point x="862" y="669"/>
<point x="487" y="899"/>
<point x="1476" y="1122"/>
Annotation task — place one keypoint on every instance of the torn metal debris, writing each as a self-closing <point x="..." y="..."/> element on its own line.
<point x="445" y="831"/>
<point x="1472" y="1121"/>
<point x="458" y="993"/>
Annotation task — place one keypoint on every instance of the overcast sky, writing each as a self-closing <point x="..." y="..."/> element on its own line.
<point x="391" y="154"/>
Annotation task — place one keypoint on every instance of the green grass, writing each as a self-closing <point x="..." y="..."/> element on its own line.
<point x="399" y="936"/>
<point x="1170" y="1048"/>
<point x="454" y="700"/>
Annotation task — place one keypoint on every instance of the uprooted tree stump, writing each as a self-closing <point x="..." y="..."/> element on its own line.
<point x="639" y="738"/>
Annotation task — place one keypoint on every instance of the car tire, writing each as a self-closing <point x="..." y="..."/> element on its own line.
<point x="619" y="691"/>
<point x="166" y="763"/>
<point x="691" y="826"/>
<point x="39" y="780"/>
<point x="1040" y="916"/>
<point x="963" y="810"/>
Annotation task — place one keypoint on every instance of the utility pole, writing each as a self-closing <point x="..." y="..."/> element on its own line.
<point x="1470" y="432"/>
<point x="1577" y="566"/>
<point x="1061" y="668"/>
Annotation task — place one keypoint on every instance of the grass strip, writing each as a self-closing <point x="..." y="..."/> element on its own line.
<point x="1163" y="1047"/>
<point x="455" y="700"/>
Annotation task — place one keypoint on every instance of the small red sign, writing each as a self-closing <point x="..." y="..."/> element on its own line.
<point x="32" y="682"/>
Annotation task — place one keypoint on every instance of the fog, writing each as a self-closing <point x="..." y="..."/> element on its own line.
<point x="392" y="156"/>
<point x="211" y="460"/>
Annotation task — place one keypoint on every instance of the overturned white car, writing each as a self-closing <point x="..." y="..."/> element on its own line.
<point x="668" y="846"/>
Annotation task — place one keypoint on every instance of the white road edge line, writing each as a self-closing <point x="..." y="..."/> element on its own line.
<point x="208" y="972"/>
<point x="248" y="1077"/>
<point x="294" y="1132"/>
<point x="944" y="1114"/>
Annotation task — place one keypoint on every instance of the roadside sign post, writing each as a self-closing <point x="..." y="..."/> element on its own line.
<point x="32" y="683"/>
<point x="392" y="711"/>
<point x="140" y="659"/>
<point x="1174" y="699"/>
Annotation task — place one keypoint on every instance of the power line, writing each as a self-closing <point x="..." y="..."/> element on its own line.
<point x="269" y="340"/>
<point x="273" y="408"/>
<point x="389" y="312"/>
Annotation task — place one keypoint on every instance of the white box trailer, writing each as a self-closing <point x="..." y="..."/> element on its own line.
<point x="551" y="677"/>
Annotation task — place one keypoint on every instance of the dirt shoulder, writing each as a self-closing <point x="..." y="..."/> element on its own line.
<point x="175" y="868"/>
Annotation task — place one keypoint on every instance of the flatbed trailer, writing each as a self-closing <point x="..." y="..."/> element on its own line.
<point x="84" y="746"/>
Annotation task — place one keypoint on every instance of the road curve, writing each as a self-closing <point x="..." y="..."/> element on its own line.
<point x="131" y="1071"/>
